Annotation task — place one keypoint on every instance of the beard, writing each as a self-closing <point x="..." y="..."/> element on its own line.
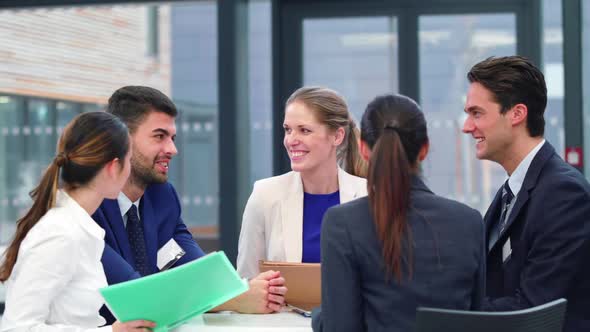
<point x="143" y="172"/>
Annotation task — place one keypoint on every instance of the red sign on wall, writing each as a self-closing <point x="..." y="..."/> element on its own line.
<point x="574" y="156"/>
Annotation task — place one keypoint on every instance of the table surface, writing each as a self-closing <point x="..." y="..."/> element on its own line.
<point x="234" y="322"/>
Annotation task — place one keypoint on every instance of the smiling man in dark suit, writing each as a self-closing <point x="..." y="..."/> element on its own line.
<point x="538" y="225"/>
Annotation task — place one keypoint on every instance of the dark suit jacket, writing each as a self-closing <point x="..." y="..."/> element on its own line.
<point x="448" y="265"/>
<point x="160" y="213"/>
<point x="549" y="231"/>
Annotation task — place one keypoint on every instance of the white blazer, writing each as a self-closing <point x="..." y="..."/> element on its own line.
<point x="272" y="225"/>
<point x="54" y="283"/>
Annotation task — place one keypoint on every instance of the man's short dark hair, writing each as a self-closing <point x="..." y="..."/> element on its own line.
<point x="133" y="103"/>
<point x="514" y="80"/>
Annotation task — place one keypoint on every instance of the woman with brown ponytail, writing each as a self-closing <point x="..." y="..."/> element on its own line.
<point x="283" y="216"/>
<point x="52" y="267"/>
<point x="402" y="246"/>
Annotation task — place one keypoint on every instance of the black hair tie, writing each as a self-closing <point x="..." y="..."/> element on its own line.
<point x="61" y="159"/>
<point x="390" y="127"/>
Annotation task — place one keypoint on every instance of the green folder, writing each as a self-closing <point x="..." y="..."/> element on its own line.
<point x="172" y="297"/>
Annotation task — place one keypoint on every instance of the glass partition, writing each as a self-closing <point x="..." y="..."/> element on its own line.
<point x="356" y="56"/>
<point x="80" y="56"/>
<point x="586" y="82"/>
<point x="449" y="46"/>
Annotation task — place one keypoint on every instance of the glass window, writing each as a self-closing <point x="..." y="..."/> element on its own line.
<point x="449" y="46"/>
<point x="193" y="81"/>
<point x="40" y="145"/>
<point x="82" y="54"/>
<point x="28" y="140"/>
<point x="260" y="88"/>
<point x="553" y="70"/>
<point x="66" y="111"/>
<point x="586" y="81"/>
<point x="11" y="150"/>
<point x="356" y="56"/>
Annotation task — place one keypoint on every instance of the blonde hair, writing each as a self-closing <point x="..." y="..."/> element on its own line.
<point x="330" y="109"/>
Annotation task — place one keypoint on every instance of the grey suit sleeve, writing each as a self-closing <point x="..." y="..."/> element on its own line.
<point x="316" y="319"/>
<point x="341" y="308"/>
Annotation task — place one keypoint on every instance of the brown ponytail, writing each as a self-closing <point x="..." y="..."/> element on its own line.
<point x="43" y="200"/>
<point x="353" y="162"/>
<point x="85" y="146"/>
<point x="394" y="127"/>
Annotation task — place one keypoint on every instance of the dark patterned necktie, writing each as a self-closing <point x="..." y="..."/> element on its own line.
<point x="500" y="225"/>
<point x="507" y="197"/>
<point x="137" y="241"/>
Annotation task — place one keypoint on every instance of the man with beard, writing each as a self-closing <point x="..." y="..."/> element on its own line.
<point x="144" y="220"/>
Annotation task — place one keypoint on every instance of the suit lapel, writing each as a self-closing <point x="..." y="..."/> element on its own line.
<point x="113" y="214"/>
<point x="149" y="230"/>
<point x="292" y="219"/>
<point x="492" y="217"/>
<point x="521" y="199"/>
<point x="529" y="183"/>
<point x="347" y="190"/>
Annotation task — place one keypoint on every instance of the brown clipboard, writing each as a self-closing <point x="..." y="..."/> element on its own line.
<point x="303" y="282"/>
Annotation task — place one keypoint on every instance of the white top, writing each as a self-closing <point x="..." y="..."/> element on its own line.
<point x="272" y="225"/>
<point x="54" y="283"/>
<point x="517" y="178"/>
<point x="124" y="205"/>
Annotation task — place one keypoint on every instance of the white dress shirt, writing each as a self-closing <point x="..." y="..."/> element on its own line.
<point x="517" y="178"/>
<point x="54" y="283"/>
<point x="125" y="204"/>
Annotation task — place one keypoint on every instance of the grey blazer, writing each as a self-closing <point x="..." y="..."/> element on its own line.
<point x="448" y="265"/>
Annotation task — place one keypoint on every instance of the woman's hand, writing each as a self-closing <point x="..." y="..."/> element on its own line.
<point x="133" y="326"/>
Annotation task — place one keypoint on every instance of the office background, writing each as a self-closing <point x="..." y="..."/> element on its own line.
<point x="229" y="65"/>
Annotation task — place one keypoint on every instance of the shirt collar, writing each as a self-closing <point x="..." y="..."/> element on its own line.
<point x="125" y="204"/>
<point x="78" y="214"/>
<point x="517" y="179"/>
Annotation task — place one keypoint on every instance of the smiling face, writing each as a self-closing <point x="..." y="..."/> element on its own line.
<point x="153" y="148"/>
<point x="310" y="144"/>
<point x="491" y="129"/>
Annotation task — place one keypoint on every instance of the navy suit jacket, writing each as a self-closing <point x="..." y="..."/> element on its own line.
<point x="549" y="232"/>
<point x="159" y="210"/>
<point x="448" y="265"/>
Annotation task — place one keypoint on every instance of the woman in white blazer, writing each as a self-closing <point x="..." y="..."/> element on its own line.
<point x="52" y="268"/>
<point x="282" y="218"/>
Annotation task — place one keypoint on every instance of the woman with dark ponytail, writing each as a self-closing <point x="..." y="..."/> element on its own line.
<point x="402" y="246"/>
<point x="283" y="216"/>
<point x="52" y="267"/>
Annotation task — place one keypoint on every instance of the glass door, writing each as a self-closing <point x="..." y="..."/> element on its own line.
<point x="449" y="46"/>
<point x="422" y="49"/>
<point x="356" y="56"/>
